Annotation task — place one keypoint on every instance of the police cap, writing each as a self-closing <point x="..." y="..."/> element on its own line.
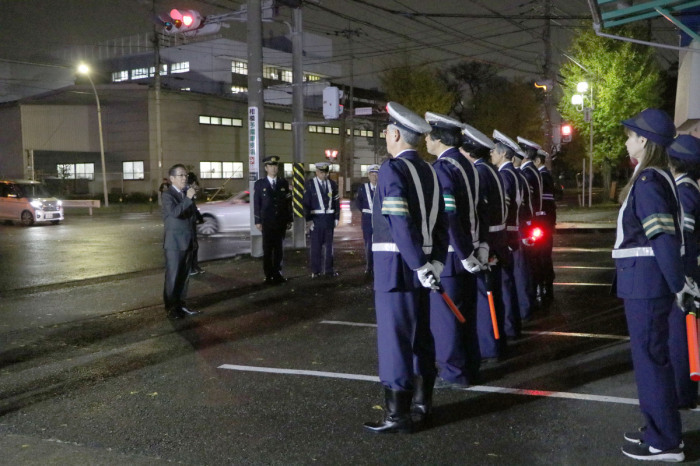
<point x="404" y="118"/>
<point x="476" y="138"/>
<point x="437" y="120"/>
<point x="685" y="147"/>
<point x="509" y="143"/>
<point x="271" y="160"/>
<point x="527" y="144"/>
<point x="653" y="124"/>
<point x="323" y="166"/>
<point x="373" y="169"/>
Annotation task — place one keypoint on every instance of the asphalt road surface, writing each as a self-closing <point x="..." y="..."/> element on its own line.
<point x="92" y="373"/>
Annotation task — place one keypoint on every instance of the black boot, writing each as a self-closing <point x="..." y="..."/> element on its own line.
<point x="422" y="403"/>
<point x="549" y="292"/>
<point x="398" y="414"/>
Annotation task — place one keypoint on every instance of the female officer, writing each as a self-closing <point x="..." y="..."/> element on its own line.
<point x="684" y="161"/>
<point x="647" y="257"/>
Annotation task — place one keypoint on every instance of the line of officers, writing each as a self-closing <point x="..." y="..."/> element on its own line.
<point x="477" y="222"/>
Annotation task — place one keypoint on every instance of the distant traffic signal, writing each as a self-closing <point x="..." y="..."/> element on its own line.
<point x="566" y="132"/>
<point x="331" y="103"/>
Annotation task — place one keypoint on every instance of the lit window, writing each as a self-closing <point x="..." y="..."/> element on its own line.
<point x="238" y="90"/>
<point x="120" y="76"/>
<point x="269" y="124"/>
<point x="73" y="171"/>
<point x="215" y="120"/>
<point x="239" y="67"/>
<point x="336" y="130"/>
<point x="233" y="169"/>
<point x="335" y="167"/>
<point x="204" y="120"/>
<point x="236" y="122"/>
<point x="66" y="171"/>
<point x="363" y="170"/>
<point x="133" y="170"/>
<point x="311" y="77"/>
<point x="287" y="126"/>
<point x="220" y="121"/>
<point x="370" y="133"/>
<point x="220" y="170"/>
<point x="182" y="67"/>
<point x="226" y="122"/>
<point x="288" y="169"/>
<point x="210" y="170"/>
<point x="312" y="128"/>
<point x="278" y="125"/>
<point x="139" y="73"/>
<point x="163" y="70"/>
<point x="271" y="72"/>
<point x="286" y="75"/>
<point x="185" y="89"/>
<point x="328" y="130"/>
<point x="312" y="167"/>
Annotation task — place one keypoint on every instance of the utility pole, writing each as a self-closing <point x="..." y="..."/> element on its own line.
<point x="547" y="72"/>
<point x="349" y="144"/>
<point x="157" y="86"/>
<point x="256" y="117"/>
<point x="299" y="236"/>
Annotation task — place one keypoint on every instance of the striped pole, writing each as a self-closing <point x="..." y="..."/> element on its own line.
<point x="298" y="189"/>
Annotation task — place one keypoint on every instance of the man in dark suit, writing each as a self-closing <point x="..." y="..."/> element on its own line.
<point x="179" y="216"/>
<point x="272" y="208"/>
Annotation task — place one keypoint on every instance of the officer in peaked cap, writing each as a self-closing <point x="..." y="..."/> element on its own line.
<point x="321" y="203"/>
<point x="654" y="124"/>
<point x="501" y="156"/>
<point x="272" y="210"/>
<point x="549" y="221"/>
<point x="684" y="162"/>
<point x="456" y="346"/>
<point x="493" y="243"/>
<point x="534" y="182"/>
<point x="410" y="246"/>
<point x="363" y="201"/>
<point x="521" y="273"/>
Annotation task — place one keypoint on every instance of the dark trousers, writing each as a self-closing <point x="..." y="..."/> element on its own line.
<point x="404" y="342"/>
<point x="367" y="237"/>
<point x="488" y="345"/>
<point x="511" y="312"/>
<point x="177" y="272"/>
<point x="523" y="286"/>
<point x="686" y="389"/>
<point x="272" y="240"/>
<point x="321" y="238"/>
<point x="647" y="322"/>
<point x="456" y="345"/>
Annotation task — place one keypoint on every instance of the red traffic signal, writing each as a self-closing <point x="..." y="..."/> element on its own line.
<point x="331" y="154"/>
<point x="183" y="21"/>
<point x="566" y="132"/>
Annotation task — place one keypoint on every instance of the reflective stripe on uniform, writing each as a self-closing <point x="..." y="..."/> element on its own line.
<point x="655" y="224"/>
<point x="632" y="252"/>
<point x="366" y="211"/>
<point x="368" y="193"/>
<point x="427" y="224"/>
<point x="392" y="247"/>
<point x="395" y="206"/>
<point x="500" y="227"/>
<point x="473" y="220"/>
<point x="450" y="205"/>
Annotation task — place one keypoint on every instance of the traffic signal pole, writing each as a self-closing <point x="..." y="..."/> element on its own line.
<point x="299" y="236"/>
<point x="256" y="117"/>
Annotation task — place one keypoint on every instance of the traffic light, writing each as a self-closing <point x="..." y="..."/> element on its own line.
<point x="331" y="154"/>
<point x="182" y="21"/>
<point x="566" y="132"/>
<point x="331" y="103"/>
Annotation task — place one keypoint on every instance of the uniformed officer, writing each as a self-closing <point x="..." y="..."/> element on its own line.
<point x="501" y="156"/>
<point x="684" y="162"/>
<point x="363" y="200"/>
<point x="493" y="247"/>
<point x="647" y="255"/>
<point x="322" y="210"/>
<point x="410" y="246"/>
<point x="549" y="220"/>
<point x="456" y="345"/>
<point x="272" y="209"/>
<point x="534" y="181"/>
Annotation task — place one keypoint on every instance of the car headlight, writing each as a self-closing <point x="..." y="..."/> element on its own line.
<point x="59" y="203"/>
<point x="37" y="204"/>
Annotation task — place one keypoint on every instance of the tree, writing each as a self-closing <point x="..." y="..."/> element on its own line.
<point x="625" y="79"/>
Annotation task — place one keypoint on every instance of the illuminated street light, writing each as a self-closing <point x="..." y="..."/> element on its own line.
<point x="85" y="70"/>
<point x="578" y="100"/>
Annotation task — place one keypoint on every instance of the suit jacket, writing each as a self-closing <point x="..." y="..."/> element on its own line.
<point x="272" y="207"/>
<point x="179" y="218"/>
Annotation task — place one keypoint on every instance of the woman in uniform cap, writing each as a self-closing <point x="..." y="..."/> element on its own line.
<point x="647" y="257"/>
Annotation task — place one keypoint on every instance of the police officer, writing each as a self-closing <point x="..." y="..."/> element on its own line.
<point x="501" y="156"/>
<point x="272" y="209"/>
<point x="549" y="220"/>
<point x="493" y="247"/>
<point x="321" y="203"/>
<point x="363" y="200"/>
<point x="684" y="162"/>
<point x="409" y="245"/>
<point x="647" y="255"/>
<point x="456" y="345"/>
<point x="534" y="181"/>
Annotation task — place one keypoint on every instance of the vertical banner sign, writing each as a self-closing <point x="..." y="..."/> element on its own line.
<point x="298" y="189"/>
<point x="253" y="144"/>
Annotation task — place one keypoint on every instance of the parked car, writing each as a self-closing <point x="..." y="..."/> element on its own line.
<point x="27" y="202"/>
<point x="232" y="214"/>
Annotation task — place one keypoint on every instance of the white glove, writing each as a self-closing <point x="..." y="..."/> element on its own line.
<point x="427" y="276"/>
<point x="439" y="267"/>
<point x="471" y="264"/>
<point x="686" y="297"/>
<point x="528" y="242"/>
<point x="310" y="225"/>
<point x="336" y="223"/>
<point x="482" y="254"/>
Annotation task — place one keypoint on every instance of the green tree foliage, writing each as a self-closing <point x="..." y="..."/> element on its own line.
<point x="625" y="79"/>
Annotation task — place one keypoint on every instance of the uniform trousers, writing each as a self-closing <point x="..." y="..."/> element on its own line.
<point x="456" y="345"/>
<point x="367" y="236"/>
<point x="686" y="389"/>
<point x="489" y="281"/>
<point x="511" y="322"/>
<point x="404" y="342"/>
<point x="321" y="260"/>
<point x="523" y="284"/>
<point x="177" y="274"/>
<point x="648" y="325"/>
<point x="272" y="241"/>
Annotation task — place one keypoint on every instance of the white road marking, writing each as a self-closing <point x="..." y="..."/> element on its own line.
<point x="572" y="249"/>
<point x="586" y="267"/>
<point x="581" y="284"/>
<point x="475" y="388"/>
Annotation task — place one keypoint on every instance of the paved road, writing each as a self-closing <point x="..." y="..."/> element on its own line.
<point x="92" y="373"/>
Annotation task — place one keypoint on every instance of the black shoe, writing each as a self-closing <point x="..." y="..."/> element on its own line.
<point x="315" y="275"/>
<point x="398" y="414"/>
<point x="175" y="314"/>
<point x="187" y="312"/>
<point x="422" y="402"/>
<point x="636" y="436"/>
<point x="644" y="452"/>
<point x="279" y="279"/>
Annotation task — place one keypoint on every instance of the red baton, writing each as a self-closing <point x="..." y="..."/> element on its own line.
<point x="450" y="304"/>
<point x="691" y="327"/>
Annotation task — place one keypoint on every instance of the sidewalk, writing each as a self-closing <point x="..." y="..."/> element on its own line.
<point x="597" y="217"/>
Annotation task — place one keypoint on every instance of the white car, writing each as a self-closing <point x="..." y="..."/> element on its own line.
<point x="28" y="202"/>
<point x="232" y="214"/>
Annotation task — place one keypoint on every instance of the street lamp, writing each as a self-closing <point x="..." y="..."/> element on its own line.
<point x="85" y="70"/>
<point x="578" y="100"/>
